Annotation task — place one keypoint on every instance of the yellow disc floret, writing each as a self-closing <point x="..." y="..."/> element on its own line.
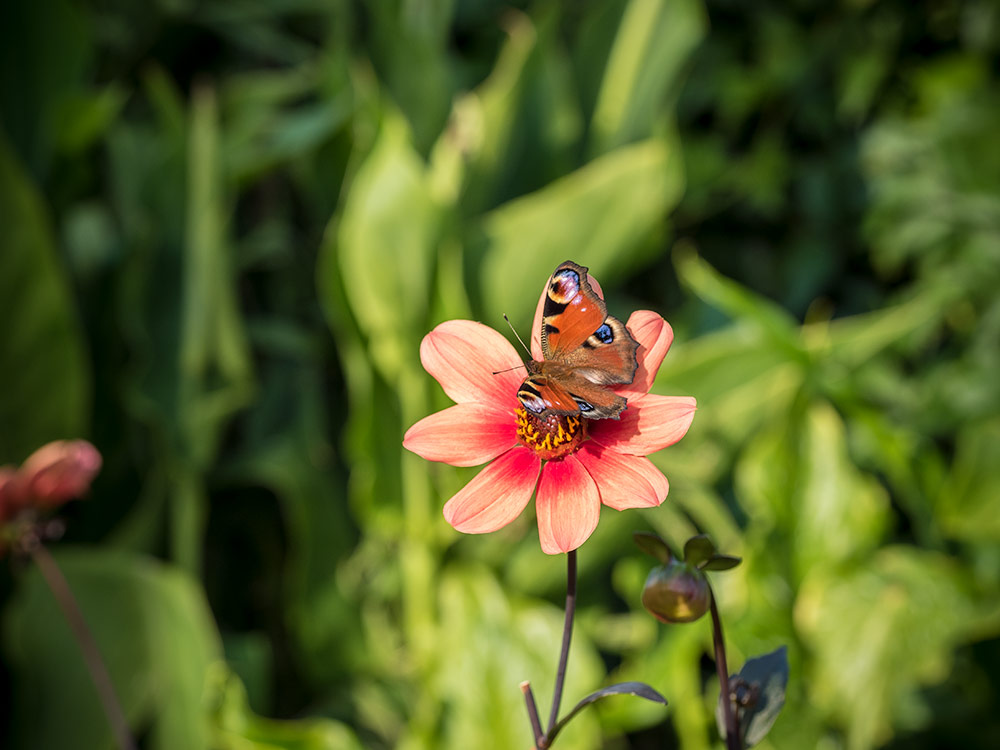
<point x="554" y="436"/>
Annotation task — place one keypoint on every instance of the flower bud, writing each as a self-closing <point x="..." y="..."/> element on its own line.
<point x="56" y="472"/>
<point x="676" y="593"/>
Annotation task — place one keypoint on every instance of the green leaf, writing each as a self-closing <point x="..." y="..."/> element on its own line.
<point x="766" y="677"/>
<point x="698" y="549"/>
<point x="643" y="70"/>
<point x="841" y="513"/>
<point x="155" y="634"/>
<point x="969" y="506"/>
<point x="639" y="689"/>
<point x="519" y="638"/>
<point x="738" y="302"/>
<point x="884" y="628"/>
<point x="653" y="545"/>
<point x="234" y="726"/>
<point x="721" y="562"/>
<point x="385" y="245"/>
<point x="601" y="216"/>
<point x="44" y="373"/>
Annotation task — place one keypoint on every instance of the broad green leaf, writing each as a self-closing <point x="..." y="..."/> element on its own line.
<point x="156" y="636"/>
<point x="738" y="302"/>
<point x="742" y="374"/>
<point x="385" y="244"/>
<point x="493" y="644"/>
<point x="482" y="127"/>
<point x="883" y="630"/>
<point x="969" y="504"/>
<point x="44" y="373"/>
<point x="601" y="216"/>
<point x="841" y="513"/>
<point x="643" y="71"/>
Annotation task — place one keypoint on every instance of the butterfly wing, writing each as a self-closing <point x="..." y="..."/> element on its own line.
<point x="568" y="394"/>
<point x="577" y="330"/>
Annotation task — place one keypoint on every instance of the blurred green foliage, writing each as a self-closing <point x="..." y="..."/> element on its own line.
<point x="227" y="226"/>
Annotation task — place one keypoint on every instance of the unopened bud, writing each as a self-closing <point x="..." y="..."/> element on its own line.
<point x="676" y="593"/>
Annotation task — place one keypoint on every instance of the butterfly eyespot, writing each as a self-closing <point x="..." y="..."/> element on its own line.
<point x="584" y="405"/>
<point x="565" y="286"/>
<point x="605" y="334"/>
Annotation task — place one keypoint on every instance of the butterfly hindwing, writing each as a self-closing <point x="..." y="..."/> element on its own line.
<point x="543" y="395"/>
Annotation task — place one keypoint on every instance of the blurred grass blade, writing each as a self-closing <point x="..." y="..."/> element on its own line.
<point x="44" y="373"/>
<point x="643" y="72"/>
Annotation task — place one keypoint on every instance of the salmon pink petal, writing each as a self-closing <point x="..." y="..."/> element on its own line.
<point x="624" y="481"/>
<point x="655" y="336"/>
<point x="496" y="495"/>
<point x="648" y="424"/>
<point x="568" y="505"/>
<point x="462" y="355"/>
<point x="462" y="435"/>
<point x="536" y="325"/>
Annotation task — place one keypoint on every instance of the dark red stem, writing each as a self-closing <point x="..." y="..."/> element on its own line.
<point x="567" y="635"/>
<point x="91" y="654"/>
<point x="729" y="717"/>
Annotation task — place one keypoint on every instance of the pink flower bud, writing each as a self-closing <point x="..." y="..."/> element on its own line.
<point x="57" y="472"/>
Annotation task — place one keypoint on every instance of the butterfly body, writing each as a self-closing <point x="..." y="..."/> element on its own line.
<point x="585" y="350"/>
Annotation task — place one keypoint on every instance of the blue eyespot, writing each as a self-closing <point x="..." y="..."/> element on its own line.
<point x="584" y="406"/>
<point x="605" y="334"/>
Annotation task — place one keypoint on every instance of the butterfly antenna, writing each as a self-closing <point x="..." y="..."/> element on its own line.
<point x="510" y="369"/>
<point x="515" y="334"/>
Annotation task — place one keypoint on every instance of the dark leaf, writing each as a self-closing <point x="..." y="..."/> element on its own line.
<point x="651" y="544"/>
<point x="762" y="681"/>
<point x="721" y="562"/>
<point x="640" y="689"/>
<point x="698" y="549"/>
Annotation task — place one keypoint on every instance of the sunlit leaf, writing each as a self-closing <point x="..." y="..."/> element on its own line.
<point x="600" y="216"/>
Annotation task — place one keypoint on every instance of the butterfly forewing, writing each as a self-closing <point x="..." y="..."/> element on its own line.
<point x="572" y="311"/>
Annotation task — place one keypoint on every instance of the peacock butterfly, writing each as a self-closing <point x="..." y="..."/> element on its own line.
<point x="585" y="350"/>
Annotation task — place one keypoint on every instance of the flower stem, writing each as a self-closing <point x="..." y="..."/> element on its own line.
<point x="729" y="717"/>
<point x="91" y="654"/>
<point x="567" y="635"/>
<point x="536" y="724"/>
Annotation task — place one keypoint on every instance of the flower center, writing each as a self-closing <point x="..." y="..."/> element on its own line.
<point x="552" y="437"/>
